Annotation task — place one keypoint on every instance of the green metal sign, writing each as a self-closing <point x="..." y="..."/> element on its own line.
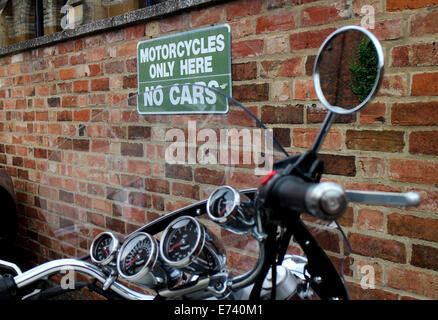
<point x="175" y="72"/>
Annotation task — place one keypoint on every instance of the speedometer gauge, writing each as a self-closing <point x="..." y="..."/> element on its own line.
<point x="137" y="260"/>
<point x="188" y="245"/>
<point x="103" y="248"/>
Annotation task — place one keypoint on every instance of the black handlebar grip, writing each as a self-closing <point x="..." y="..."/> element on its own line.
<point x="325" y="200"/>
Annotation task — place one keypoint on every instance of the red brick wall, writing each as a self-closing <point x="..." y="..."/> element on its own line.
<point x="391" y="145"/>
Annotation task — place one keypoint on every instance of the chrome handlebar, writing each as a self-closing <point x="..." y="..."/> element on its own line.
<point x="89" y="269"/>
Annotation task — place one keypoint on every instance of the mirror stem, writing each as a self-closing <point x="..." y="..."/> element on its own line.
<point x="323" y="131"/>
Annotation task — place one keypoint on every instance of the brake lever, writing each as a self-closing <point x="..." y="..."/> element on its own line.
<point x="409" y="199"/>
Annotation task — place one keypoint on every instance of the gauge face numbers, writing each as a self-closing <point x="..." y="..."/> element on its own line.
<point x="222" y="202"/>
<point x="137" y="254"/>
<point x="181" y="239"/>
<point x="103" y="248"/>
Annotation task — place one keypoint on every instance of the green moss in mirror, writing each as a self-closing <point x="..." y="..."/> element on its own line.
<point x="364" y="68"/>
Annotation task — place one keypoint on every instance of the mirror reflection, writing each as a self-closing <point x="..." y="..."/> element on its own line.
<point x="348" y="69"/>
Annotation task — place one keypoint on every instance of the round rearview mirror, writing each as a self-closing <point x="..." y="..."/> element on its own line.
<point x="348" y="69"/>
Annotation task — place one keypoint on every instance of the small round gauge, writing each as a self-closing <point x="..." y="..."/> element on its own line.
<point x="181" y="239"/>
<point x="103" y="248"/>
<point x="188" y="245"/>
<point x="137" y="256"/>
<point x="222" y="202"/>
<point x="231" y="209"/>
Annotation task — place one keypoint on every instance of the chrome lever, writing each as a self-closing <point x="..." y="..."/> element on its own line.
<point x="409" y="199"/>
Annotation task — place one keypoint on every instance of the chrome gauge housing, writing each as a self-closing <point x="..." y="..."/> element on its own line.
<point x="103" y="248"/>
<point x="137" y="261"/>
<point x="231" y="209"/>
<point x="189" y="246"/>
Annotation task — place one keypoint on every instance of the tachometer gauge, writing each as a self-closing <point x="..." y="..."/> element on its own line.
<point x="231" y="209"/>
<point x="137" y="260"/>
<point x="187" y="245"/>
<point x="103" y="248"/>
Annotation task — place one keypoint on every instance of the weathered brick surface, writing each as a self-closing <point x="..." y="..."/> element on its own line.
<point x="111" y="174"/>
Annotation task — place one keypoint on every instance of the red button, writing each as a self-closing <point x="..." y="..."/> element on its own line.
<point x="268" y="177"/>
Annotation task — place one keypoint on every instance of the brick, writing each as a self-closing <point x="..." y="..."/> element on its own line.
<point x="388" y="29"/>
<point x="423" y="54"/>
<point x="80" y="86"/>
<point x="130" y="82"/>
<point x="370" y="140"/>
<point x="304" y="138"/>
<point x="424" y="84"/>
<point x="424" y="257"/>
<point x="135" y="32"/>
<point x="100" y="84"/>
<point x="244" y="71"/>
<point x="176" y="171"/>
<point x="157" y="185"/>
<point x="242" y="28"/>
<point x="114" y="67"/>
<point x="339" y="165"/>
<point x="419" y="171"/>
<point x="429" y="200"/>
<point x="372" y="167"/>
<point x="283" y="136"/>
<point x="139" y="132"/>
<point x="423" y="142"/>
<point x="206" y="16"/>
<point x="243" y="8"/>
<point x="276" y="45"/>
<point x="81" y="144"/>
<point x="368" y="219"/>
<point x="370" y="246"/>
<point x="132" y="149"/>
<point x="81" y="115"/>
<point x="412" y="227"/>
<point x="415" y="114"/>
<point x="291" y="67"/>
<point x="140" y="199"/>
<point x="393" y="85"/>
<point x="209" y="176"/>
<point x="251" y="92"/>
<point x="414" y="281"/>
<point x="247" y="48"/>
<point x="424" y="23"/>
<point x="185" y="190"/>
<point x="400" y="56"/>
<point x="66" y="47"/>
<point x="69" y="101"/>
<point x="128" y="49"/>
<point x="132" y="181"/>
<point x="275" y="22"/>
<point x="318" y="15"/>
<point x="97" y="54"/>
<point x="66" y="74"/>
<point x="304" y="90"/>
<point x="396" y="5"/>
<point x="309" y="39"/>
<point x="288" y="114"/>
<point x="64" y="115"/>
<point x="177" y="22"/>
<point x="374" y="112"/>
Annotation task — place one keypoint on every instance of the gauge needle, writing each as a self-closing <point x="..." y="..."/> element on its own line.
<point x="132" y="261"/>
<point x="223" y="211"/>
<point x="176" y="245"/>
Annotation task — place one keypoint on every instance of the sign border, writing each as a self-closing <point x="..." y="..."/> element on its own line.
<point x="188" y="112"/>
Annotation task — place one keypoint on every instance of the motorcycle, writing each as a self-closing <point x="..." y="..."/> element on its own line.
<point x="253" y="235"/>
